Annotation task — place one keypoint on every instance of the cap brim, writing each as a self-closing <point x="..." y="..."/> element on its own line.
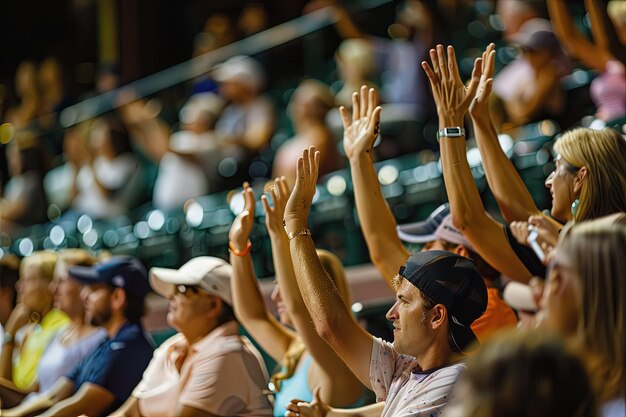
<point x="162" y="279"/>
<point x="463" y="337"/>
<point x="421" y="232"/>
<point x="520" y="297"/>
<point x="85" y="275"/>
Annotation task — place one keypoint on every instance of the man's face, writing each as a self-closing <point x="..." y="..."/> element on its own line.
<point x="97" y="300"/>
<point x="188" y="305"/>
<point x="411" y="332"/>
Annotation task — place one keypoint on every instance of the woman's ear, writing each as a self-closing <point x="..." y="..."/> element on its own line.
<point x="579" y="180"/>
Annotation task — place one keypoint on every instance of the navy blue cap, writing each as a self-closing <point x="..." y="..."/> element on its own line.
<point x="453" y="281"/>
<point x="124" y="272"/>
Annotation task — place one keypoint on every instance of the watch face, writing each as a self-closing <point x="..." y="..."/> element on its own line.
<point x="453" y="131"/>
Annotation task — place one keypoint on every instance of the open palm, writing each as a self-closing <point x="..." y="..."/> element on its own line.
<point x="299" y="203"/>
<point x="360" y="133"/>
<point x="242" y="225"/>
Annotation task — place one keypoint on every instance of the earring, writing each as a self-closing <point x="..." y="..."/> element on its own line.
<point x="575" y="207"/>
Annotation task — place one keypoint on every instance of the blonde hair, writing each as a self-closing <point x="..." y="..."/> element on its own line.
<point x="43" y="261"/>
<point x="596" y="250"/>
<point x="603" y="153"/>
<point x="357" y="52"/>
<point x="79" y="257"/>
<point x="333" y="267"/>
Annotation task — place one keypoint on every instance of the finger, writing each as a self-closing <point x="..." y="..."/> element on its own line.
<point x="299" y="173"/>
<point x="372" y="103"/>
<point x="485" y="92"/>
<point x="473" y="85"/>
<point x="275" y="198"/>
<point x="266" y="205"/>
<point x="441" y="62"/>
<point x="344" y="117"/>
<point x="317" y="165"/>
<point x="284" y="188"/>
<point x="363" y="96"/>
<point x="306" y="165"/>
<point x="432" y="77"/>
<point x="375" y="120"/>
<point x="434" y="60"/>
<point x="452" y="67"/>
<point x="355" y="107"/>
<point x="489" y="66"/>
<point x="248" y="196"/>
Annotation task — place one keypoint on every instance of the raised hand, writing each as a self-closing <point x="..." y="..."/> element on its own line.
<point x="451" y="96"/>
<point x="242" y="225"/>
<point x="360" y="134"/>
<point x="299" y="203"/>
<point x="316" y="408"/>
<point x="274" y="216"/>
<point x="479" y="108"/>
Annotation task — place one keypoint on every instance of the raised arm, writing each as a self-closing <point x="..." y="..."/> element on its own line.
<point x="249" y="307"/>
<point x="507" y="186"/>
<point x="341" y="385"/>
<point x="603" y="30"/>
<point x="331" y="317"/>
<point x="468" y="214"/>
<point x="576" y="44"/>
<point x="386" y="250"/>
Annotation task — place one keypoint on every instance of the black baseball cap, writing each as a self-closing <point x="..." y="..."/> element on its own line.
<point x="453" y="281"/>
<point x="124" y="272"/>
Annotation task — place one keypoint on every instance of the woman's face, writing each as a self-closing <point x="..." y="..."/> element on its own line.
<point x="283" y="314"/>
<point x="66" y="291"/>
<point x="33" y="290"/>
<point x="561" y="185"/>
<point x="560" y="299"/>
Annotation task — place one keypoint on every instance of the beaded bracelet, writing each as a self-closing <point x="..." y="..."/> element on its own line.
<point x="236" y="252"/>
<point x="293" y="235"/>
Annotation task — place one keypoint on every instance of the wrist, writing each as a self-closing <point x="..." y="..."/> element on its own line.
<point x="450" y="120"/>
<point x="356" y="159"/>
<point x="293" y="225"/>
<point x="238" y="249"/>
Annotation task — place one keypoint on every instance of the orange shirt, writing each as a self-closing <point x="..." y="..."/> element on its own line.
<point x="498" y="315"/>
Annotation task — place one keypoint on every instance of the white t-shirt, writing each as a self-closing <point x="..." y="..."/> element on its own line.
<point x="396" y="380"/>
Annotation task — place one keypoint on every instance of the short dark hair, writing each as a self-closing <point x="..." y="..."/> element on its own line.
<point x="134" y="309"/>
<point x="430" y="303"/>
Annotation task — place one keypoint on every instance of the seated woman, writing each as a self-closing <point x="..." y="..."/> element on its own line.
<point x="77" y="340"/>
<point x="308" y="107"/>
<point x="32" y="326"/>
<point x="305" y="358"/>
<point x="584" y="299"/>
<point x="589" y="179"/>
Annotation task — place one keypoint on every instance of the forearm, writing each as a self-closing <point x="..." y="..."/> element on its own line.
<point x="32" y="407"/>
<point x="377" y="222"/>
<point x="372" y="410"/>
<point x="285" y="276"/>
<point x="6" y="362"/>
<point x="507" y="186"/>
<point x="247" y="298"/>
<point x="345" y="25"/>
<point x="603" y="30"/>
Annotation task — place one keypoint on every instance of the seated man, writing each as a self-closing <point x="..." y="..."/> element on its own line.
<point x="439" y="295"/>
<point x="114" y="299"/>
<point x="206" y="369"/>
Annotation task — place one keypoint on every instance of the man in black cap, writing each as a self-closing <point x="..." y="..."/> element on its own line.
<point x="114" y="299"/>
<point x="438" y="296"/>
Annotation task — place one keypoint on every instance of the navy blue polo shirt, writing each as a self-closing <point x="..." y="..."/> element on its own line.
<point x="117" y="365"/>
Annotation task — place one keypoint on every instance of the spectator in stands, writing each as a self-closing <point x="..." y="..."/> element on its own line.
<point x="356" y="65"/>
<point x="207" y="369"/>
<point x="24" y="202"/>
<point x="439" y="295"/>
<point x="305" y="358"/>
<point x="386" y="249"/>
<point x="585" y="300"/>
<point x="9" y="274"/>
<point x="28" y="95"/>
<point x="523" y="374"/>
<point x="247" y="122"/>
<point x="30" y="329"/>
<point x="100" y="383"/>
<point x="608" y="89"/>
<point x="514" y="13"/>
<point x="187" y="169"/>
<point x="107" y="185"/>
<point x="529" y="86"/>
<point x="589" y="178"/>
<point x="307" y="110"/>
<point x="74" y="342"/>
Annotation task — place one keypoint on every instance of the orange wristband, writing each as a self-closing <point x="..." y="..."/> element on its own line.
<point x="237" y="253"/>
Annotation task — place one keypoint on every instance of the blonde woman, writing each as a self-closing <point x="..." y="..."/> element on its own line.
<point x="37" y="321"/>
<point x="585" y="299"/>
<point x="306" y="360"/>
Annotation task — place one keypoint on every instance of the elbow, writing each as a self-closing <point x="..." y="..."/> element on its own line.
<point x="326" y="328"/>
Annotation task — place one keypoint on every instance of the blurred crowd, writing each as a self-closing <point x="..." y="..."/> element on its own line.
<point x="520" y="317"/>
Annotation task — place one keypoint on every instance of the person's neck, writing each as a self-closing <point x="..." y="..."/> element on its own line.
<point x="435" y="357"/>
<point x="114" y="325"/>
<point x="194" y="334"/>
<point x="78" y="320"/>
<point x="44" y="311"/>
<point x="304" y="124"/>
